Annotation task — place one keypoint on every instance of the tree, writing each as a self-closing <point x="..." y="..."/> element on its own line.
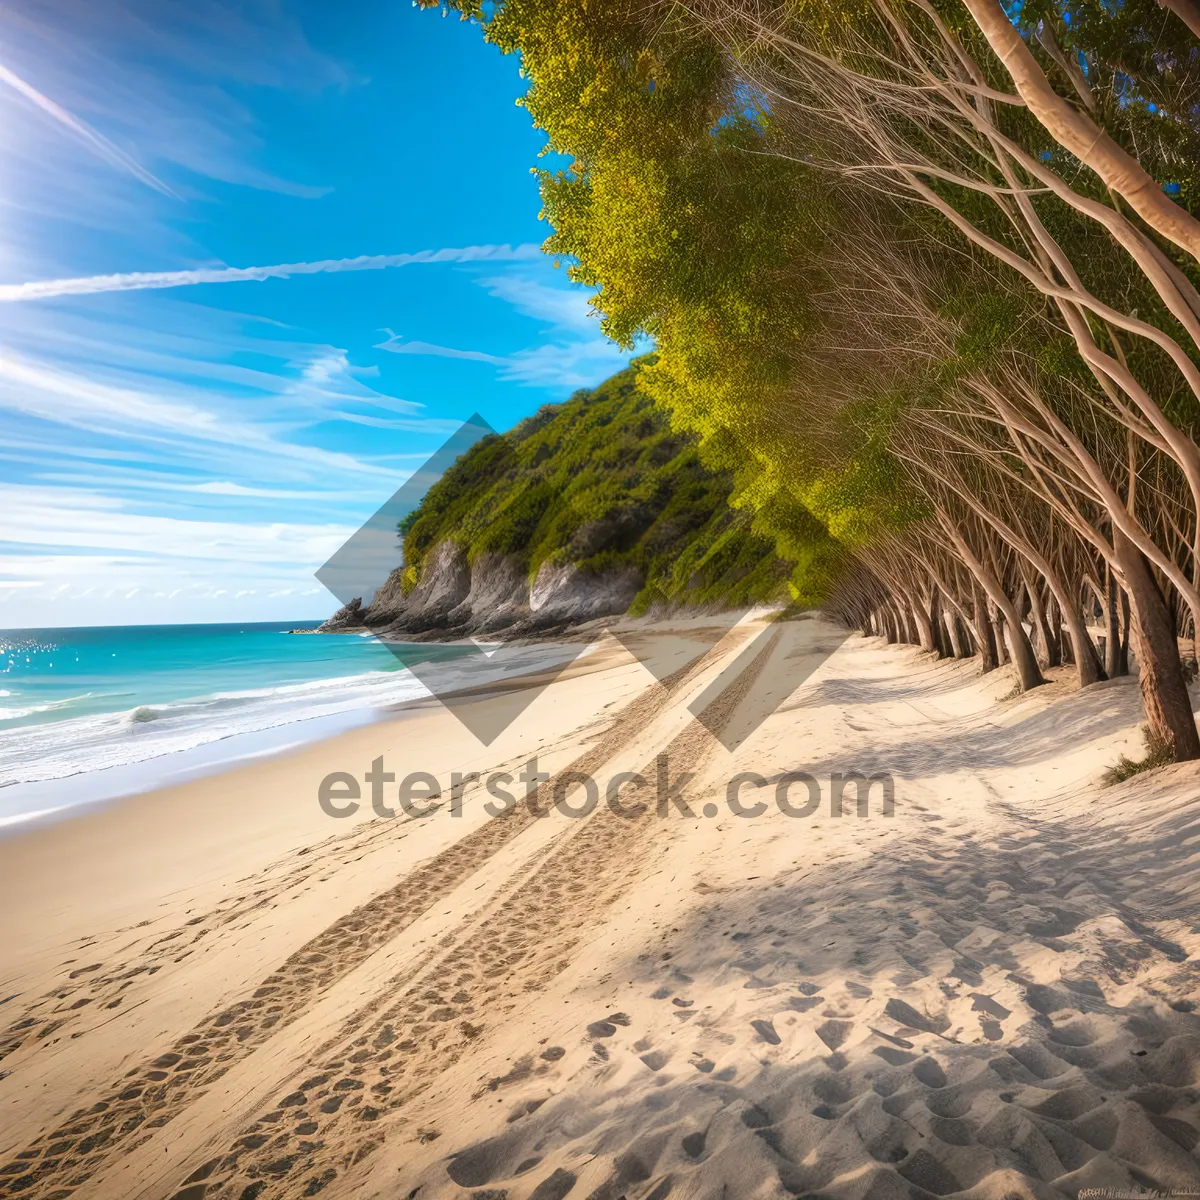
<point x="763" y="192"/>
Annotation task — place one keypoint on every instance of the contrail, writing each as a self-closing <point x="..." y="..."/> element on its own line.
<point x="133" y="281"/>
<point x="99" y="144"/>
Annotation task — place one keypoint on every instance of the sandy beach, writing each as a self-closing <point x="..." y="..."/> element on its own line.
<point x="218" y="990"/>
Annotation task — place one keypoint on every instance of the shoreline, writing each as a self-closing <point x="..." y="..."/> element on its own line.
<point x="32" y="802"/>
<point x="108" y="785"/>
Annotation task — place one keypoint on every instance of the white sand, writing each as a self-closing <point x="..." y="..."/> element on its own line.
<point x="219" y="991"/>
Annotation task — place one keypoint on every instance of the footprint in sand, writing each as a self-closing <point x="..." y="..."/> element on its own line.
<point x="895" y="1058"/>
<point x="804" y="1003"/>
<point x="929" y="1072"/>
<point x="834" y="1033"/>
<point x="555" y="1187"/>
<point x="766" y="1031"/>
<point x="606" y="1027"/>
<point x="906" y="1015"/>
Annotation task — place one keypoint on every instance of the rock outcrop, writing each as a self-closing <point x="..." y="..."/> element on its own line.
<point x="492" y="596"/>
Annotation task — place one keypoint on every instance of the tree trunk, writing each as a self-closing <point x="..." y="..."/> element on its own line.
<point x="921" y="619"/>
<point x="1028" y="672"/>
<point x="965" y="638"/>
<point x="987" y="634"/>
<point x="1037" y="619"/>
<point x="1112" y="628"/>
<point x="1160" y="672"/>
<point x="1068" y="657"/>
<point x="937" y="627"/>
<point x="1054" y="624"/>
<point x="950" y="621"/>
<point x="1076" y="132"/>
<point x="1002" y="655"/>
<point x="1083" y="653"/>
<point x="1123" y="660"/>
<point x="1186" y="10"/>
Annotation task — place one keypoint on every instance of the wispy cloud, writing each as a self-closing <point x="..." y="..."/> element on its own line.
<point x="72" y="550"/>
<point x="561" y="308"/>
<point x="67" y="398"/>
<point x="395" y="344"/>
<point x="96" y="142"/>
<point x="81" y="519"/>
<point x="140" y="280"/>
<point x="574" y="364"/>
<point x="579" y="355"/>
<point x="171" y="83"/>
<point x="568" y="364"/>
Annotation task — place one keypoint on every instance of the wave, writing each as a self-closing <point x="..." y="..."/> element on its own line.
<point x="17" y="714"/>
<point x="74" y="744"/>
<point x="69" y="744"/>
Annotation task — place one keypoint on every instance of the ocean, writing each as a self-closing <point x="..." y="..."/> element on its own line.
<point x="89" y="714"/>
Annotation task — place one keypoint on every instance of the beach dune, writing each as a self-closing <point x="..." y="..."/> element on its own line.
<point x="980" y="979"/>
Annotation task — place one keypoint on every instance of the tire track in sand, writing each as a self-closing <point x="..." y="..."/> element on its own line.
<point x="349" y="1095"/>
<point x="61" y="1160"/>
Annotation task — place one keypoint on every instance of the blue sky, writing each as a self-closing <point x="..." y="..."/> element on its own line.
<point x="183" y="438"/>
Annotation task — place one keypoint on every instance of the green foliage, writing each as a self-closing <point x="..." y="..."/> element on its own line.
<point x="603" y="480"/>
<point x="702" y="223"/>
<point x="674" y="211"/>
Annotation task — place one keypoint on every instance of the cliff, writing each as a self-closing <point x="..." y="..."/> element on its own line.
<point x="590" y="508"/>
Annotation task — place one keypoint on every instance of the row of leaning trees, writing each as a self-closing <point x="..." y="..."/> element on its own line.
<point x="924" y="273"/>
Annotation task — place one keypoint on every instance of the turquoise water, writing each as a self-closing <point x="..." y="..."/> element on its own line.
<point x="75" y="700"/>
<point x="50" y="674"/>
<point x="91" y="714"/>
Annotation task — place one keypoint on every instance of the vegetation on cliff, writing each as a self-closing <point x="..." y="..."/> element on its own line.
<point x="601" y="481"/>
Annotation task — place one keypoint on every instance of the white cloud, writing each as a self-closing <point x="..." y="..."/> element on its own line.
<point x="395" y="344"/>
<point x="93" y="557"/>
<point x="88" y="520"/>
<point x="575" y="364"/>
<point x="568" y="309"/>
<point x="140" y="280"/>
<point x="566" y="364"/>
<point x="96" y="142"/>
<point x="165" y="76"/>
<point x="579" y="355"/>
<point x="70" y="398"/>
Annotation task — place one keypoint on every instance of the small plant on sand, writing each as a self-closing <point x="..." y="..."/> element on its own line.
<point x="1158" y="754"/>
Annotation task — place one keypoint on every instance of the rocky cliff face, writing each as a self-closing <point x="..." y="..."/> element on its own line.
<point x="493" y="596"/>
